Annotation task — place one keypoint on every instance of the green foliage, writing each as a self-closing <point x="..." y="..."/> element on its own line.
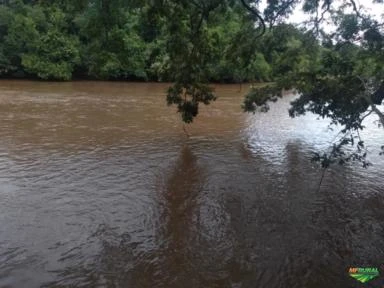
<point x="122" y="57"/>
<point x="342" y="80"/>
<point x="37" y="43"/>
<point x="180" y="41"/>
<point x="5" y="20"/>
<point x="188" y="98"/>
<point x="53" y="56"/>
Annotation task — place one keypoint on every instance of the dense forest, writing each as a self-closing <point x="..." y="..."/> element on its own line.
<point x="114" y="39"/>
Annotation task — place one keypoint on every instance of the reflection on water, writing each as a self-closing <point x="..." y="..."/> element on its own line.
<point x="178" y="226"/>
<point x="101" y="188"/>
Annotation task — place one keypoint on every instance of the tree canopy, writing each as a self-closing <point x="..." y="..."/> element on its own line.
<point x="338" y="72"/>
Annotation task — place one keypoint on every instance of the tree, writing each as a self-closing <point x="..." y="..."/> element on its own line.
<point x="333" y="79"/>
<point x="53" y="53"/>
<point x="5" y="19"/>
<point x="337" y="83"/>
<point x="113" y="48"/>
<point x="189" y="49"/>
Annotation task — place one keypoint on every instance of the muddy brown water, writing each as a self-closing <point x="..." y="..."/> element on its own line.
<point x="100" y="187"/>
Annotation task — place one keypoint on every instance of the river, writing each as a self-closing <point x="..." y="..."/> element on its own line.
<point x="100" y="187"/>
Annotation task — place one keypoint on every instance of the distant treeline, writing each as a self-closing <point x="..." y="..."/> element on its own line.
<point x="128" y="40"/>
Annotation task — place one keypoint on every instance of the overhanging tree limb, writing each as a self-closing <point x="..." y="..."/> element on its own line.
<point x="368" y="98"/>
<point x="257" y="14"/>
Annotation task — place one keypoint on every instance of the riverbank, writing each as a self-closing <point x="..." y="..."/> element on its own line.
<point x="90" y="79"/>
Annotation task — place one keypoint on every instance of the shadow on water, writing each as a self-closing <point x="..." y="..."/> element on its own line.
<point x="167" y="262"/>
<point x="171" y="263"/>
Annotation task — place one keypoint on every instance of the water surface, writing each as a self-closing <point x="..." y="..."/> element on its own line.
<point x="100" y="187"/>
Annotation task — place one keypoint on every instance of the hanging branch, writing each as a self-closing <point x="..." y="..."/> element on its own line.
<point x="326" y="8"/>
<point x="353" y="3"/>
<point x="257" y="14"/>
<point x="368" y="98"/>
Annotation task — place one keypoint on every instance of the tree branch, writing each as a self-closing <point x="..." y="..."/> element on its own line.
<point x="379" y="113"/>
<point x="257" y="14"/>
<point x="282" y="9"/>
<point x="368" y="98"/>
<point x="355" y="8"/>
